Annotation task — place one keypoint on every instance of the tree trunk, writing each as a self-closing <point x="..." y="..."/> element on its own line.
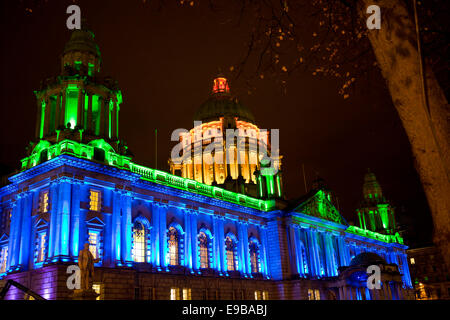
<point x="395" y="48"/>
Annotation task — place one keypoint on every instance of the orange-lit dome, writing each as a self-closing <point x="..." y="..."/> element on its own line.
<point x="221" y="103"/>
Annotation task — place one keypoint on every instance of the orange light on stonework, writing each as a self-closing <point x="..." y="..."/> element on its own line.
<point x="220" y="85"/>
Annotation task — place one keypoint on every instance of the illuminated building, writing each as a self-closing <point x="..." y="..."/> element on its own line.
<point x="431" y="281"/>
<point x="163" y="236"/>
<point x="234" y="166"/>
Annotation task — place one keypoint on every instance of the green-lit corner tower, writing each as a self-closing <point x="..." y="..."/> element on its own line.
<point x="375" y="213"/>
<point x="78" y="105"/>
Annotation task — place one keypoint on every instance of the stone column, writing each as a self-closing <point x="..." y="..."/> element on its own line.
<point x="218" y="244"/>
<point x="14" y="234"/>
<point x="25" y="241"/>
<point x="187" y="240"/>
<point x="63" y="217"/>
<point x="39" y="116"/>
<point x="162" y="212"/>
<point x="155" y="241"/>
<point x="293" y="250"/>
<point x="62" y="114"/>
<point x="265" y="256"/>
<point x="116" y="227"/>
<point x="194" y="246"/>
<point x="341" y="293"/>
<point x="47" y="113"/>
<point x="75" y="220"/>
<point x="101" y="114"/>
<point x="58" y="110"/>
<point x="80" y="108"/>
<point x="53" y="201"/>
<point x="114" y="121"/>
<point x="300" y="247"/>
<point x="126" y="225"/>
<point x="89" y="126"/>
<point x="243" y="240"/>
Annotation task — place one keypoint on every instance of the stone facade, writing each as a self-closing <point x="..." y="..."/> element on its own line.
<point x="161" y="236"/>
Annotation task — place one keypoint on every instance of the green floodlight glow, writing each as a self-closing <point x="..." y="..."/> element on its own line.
<point x="41" y="129"/>
<point x="375" y="235"/>
<point x="71" y="105"/>
<point x="84" y="151"/>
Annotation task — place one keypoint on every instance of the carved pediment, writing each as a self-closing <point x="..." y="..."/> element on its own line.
<point x="319" y="206"/>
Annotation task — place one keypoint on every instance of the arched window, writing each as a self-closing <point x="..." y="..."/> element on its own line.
<point x="254" y="255"/>
<point x="173" y="239"/>
<point x="139" y="242"/>
<point x="230" y="249"/>
<point x="203" y="246"/>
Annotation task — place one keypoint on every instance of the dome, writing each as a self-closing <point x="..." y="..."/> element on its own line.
<point x="366" y="259"/>
<point x="82" y="41"/>
<point x="221" y="104"/>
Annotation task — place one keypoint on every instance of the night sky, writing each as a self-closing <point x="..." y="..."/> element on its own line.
<point x="165" y="61"/>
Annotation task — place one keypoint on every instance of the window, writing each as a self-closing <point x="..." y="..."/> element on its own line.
<point x="93" y="243"/>
<point x="41" y="239"/>
<point x="187" y="294"/>
<point x="413" y="261"/>
<point x="43" y="202"/>
<point x="203" y="249"/>
<point x="174" y="293"/>
<point x="3" y="258"/>
<point x="97" y="287"/>
<point x="265" y="295"/>
<point x="173" y="246"/>
<point x="95" y="200"/>
<point x="316" y="294"/>
<point x="139" y="242"/>
<point x="230" y="248"/>
<point x="313" y="294"/>
<point x="254" y="256"/>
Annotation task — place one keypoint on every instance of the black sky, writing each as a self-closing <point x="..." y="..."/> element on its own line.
<point x="165" y="61"/>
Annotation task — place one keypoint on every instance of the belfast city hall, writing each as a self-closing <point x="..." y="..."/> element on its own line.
<point x="203" y="231"/>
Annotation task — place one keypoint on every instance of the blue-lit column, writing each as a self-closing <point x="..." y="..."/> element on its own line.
<point x="194" y="247"/>
<point x="12" y="231"/>
<point x="264" y="256"/>
<point x="343" y="253"/>
<point x="63" y="219"/>
<point x="75" y="221"/>
<point x="314" y="253"/>
<point x="216" y="246"/>
<point x="298" y="244"/>
<point x="303" y="236"/>
<point x="126" y="225"/>
<point x="331" y="251"/>
<point x="243" y="240"/>
<point x="162" y="212"/>
<point x="116" y="227"/>
<point x="16" y="229"/>
<point x="405" y="271"/>
<point x="292" y="245"/>
<point x="220" y="221"/>
<point x="154" y="233"/>
<point x="187" y="240"/>
<point x="327" y="252"/>
<point x="108" y="258"/>
<point x="53" y="237"/>
<point x="25" y="241"/>
<point x="14" y="240"/>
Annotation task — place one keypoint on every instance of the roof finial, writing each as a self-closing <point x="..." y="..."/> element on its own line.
<point x="220" y="85"/>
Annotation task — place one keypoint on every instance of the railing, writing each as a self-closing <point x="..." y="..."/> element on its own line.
<point x="28" y="291"/>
